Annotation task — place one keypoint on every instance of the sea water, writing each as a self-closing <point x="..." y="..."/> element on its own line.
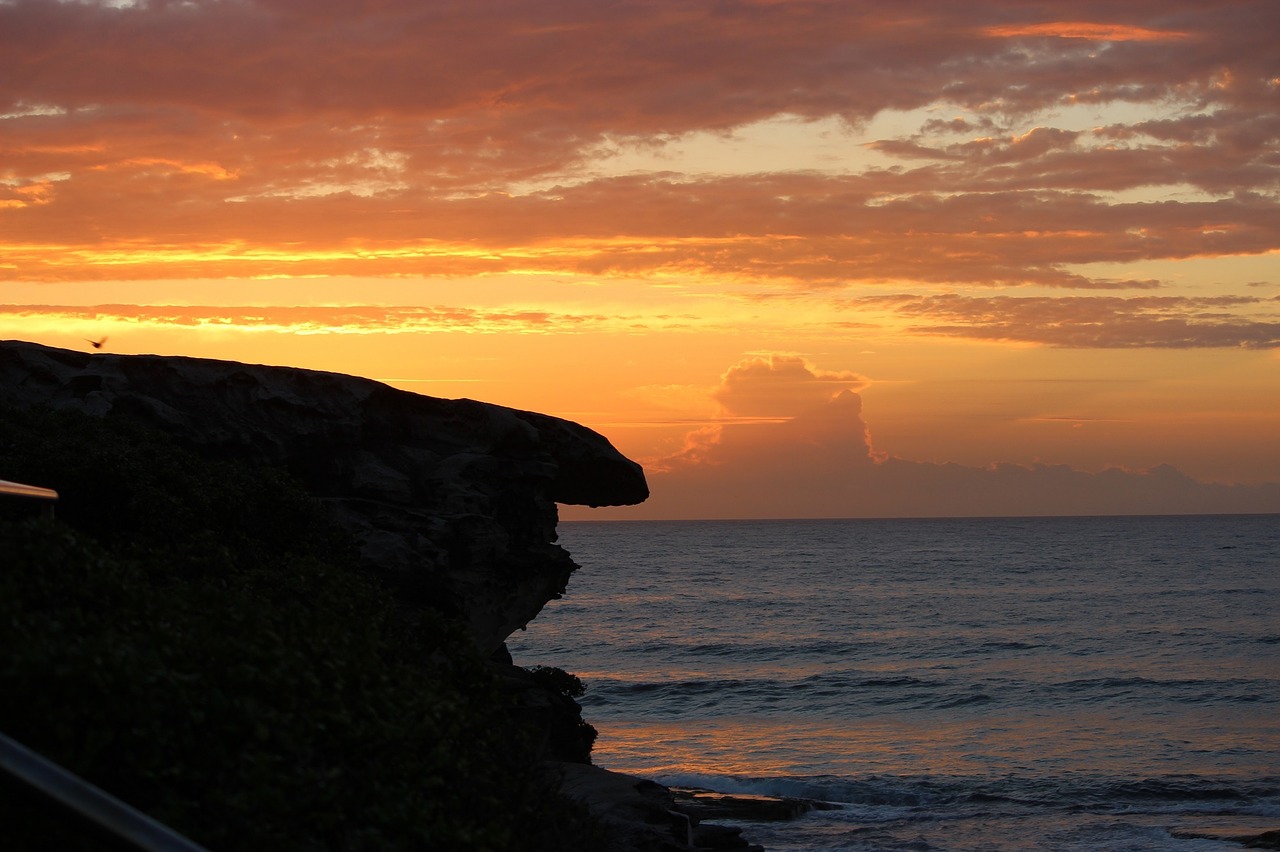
<point x="976" y="684"/>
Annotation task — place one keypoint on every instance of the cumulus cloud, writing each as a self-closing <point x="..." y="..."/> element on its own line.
<point x="780" y="385"/>
<point x="819" y="462"/>
<point x="781" y="413"/>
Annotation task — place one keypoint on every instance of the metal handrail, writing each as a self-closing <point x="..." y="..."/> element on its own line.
<point x="78" y="796"/>
<point x="68" y="790"/>
<point x="32" y="492"/>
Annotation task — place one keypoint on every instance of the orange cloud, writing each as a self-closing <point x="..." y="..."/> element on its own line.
<point x="164" y="164"/>
<point x="786" y="228"/>
<point x="780" y="385"/>
<point x="819" y="462"/>
<point x="781" y="412"/>
<point x="201" y="141"/>
<point x="276" y="138"/>
<point x="1085" y="30"/>
<point x="354" y="319"/>
<point x="1101" y="322"/>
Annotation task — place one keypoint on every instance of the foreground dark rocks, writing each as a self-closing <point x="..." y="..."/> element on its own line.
<point x="452" y="501"/>
<point x="708" y="804"/>
<point x="645" y="816"/>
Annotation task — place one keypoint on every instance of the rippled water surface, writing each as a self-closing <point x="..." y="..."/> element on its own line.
<point x="1073" y="683"/>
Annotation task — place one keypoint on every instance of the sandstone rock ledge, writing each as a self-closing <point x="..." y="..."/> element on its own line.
<point x="644" y="816"/>
<point x="453" y="503"/>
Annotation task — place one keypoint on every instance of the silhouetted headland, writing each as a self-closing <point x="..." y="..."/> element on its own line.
<point x="451" y="505"/>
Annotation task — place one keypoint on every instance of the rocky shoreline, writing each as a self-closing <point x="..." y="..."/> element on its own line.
<point x="451" y="502"/>
<point x="644" y="815"/>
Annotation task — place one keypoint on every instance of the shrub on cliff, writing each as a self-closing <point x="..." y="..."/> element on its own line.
<point x="193" y="637"/>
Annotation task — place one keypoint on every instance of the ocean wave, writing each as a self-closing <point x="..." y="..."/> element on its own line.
<point x="830" y="693"/>
<point x="836" y="694"/>
<point x="897" y="797"/>
<point x="751" y="650"/>
<point x="1180" y="690"/>
<point x="1074" y="684"/>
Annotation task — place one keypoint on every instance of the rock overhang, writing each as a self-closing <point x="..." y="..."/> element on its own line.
<point x="452" y="501"/>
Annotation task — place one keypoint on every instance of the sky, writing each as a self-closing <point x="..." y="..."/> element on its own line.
<point x="800" y="258"/>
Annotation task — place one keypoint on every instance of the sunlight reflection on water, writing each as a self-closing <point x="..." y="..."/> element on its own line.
<point x="1033" y="660"/>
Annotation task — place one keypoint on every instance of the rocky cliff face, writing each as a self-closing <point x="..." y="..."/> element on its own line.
<point x="452" y="501"/>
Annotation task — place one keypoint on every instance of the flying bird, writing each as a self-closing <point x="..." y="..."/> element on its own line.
<point x="96" y="344"/>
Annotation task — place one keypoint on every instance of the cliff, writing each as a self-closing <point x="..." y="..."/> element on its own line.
<point x="453" y="502"/>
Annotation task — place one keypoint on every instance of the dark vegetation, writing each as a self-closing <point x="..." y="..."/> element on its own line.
<point x="196" y="639"/>
<point x="559" y="680"/>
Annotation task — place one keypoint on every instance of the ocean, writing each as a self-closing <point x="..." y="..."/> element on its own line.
<point x="975" y="684"/>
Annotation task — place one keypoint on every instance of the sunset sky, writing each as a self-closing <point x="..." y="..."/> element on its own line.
<point x="798" y="257"/>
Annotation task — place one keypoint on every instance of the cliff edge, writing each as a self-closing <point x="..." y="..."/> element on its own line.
<point x="453" y="502"/>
